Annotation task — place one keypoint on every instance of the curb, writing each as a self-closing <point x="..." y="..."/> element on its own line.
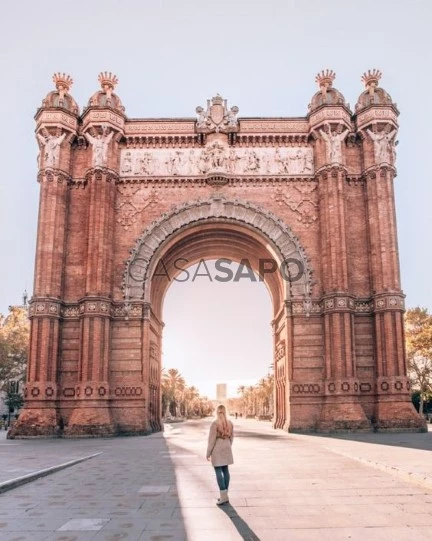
<point x="411" y="477"/>
<point x="18" y="481"/>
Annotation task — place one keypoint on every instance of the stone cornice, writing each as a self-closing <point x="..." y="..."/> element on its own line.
<point x="96" y="116"/>
<point x="232" y="180"/>
<point x="56" y="116"/>
<point x="376" y="113"/>
<point x="97" y="306"/>
<point x="330" y="114"/>
<point x="161" y="141"/>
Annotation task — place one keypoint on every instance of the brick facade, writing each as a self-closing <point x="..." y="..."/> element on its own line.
<point x="122" y="198"/>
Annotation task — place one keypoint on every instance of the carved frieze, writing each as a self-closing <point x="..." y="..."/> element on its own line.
<point x="216" y="157"/>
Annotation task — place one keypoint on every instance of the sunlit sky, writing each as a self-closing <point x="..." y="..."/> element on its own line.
<point x="170" y="56"/>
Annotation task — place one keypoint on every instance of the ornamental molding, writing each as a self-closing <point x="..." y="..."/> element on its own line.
<point x="388" y="301"/>
<point x="159" y="127"/>
<point x="300" y="126"/>
<point x="37" y="390"/>
<point x="56" y="118"/>
<point x="334" y="114"/>
<point x="161" y="141"/>
<point x="101" y="173"/>
<point x="138" y="310"/>
<point x="331" y="170"/>
<point x="381" y="170"/>
<point x="219" y="208"/>
<point x="54" y="175"/>
<point x="376" y="114"/>
<point x="108" y="117"/>
<point x="205" y="180"/>
<point x="393" y="385"/>
<point x="341" y="387"/>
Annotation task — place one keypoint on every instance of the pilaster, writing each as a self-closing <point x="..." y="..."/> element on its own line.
<point x="56" y="128"/>
<point x="377" y="127"/>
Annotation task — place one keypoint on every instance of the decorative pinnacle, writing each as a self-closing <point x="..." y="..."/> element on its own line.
<point x="371" y="79"/>
<point x="325" y="80"/>
<point x="107" y="80"/>
<point x="62" y="81"/>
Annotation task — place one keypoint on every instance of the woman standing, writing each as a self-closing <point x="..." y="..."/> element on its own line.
<point x="219" y="450"/>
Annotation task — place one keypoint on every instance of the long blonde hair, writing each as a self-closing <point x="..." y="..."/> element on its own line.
<point x="223" y="426"/>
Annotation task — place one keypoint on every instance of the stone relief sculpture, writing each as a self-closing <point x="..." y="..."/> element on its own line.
<point x="217" y="157"/>
<point x="202" y="117"/>
<point x="51" y="149"/>
<point x="231" y="116"/>
<point x="333" y="142"/>
<point x="100" y="147"/>
<point x="383" y="146"/>
<point x="252" y="162"/>
<point x="217" y="117"/>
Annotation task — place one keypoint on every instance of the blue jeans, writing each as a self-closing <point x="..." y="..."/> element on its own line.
<point x="222" y="476"/>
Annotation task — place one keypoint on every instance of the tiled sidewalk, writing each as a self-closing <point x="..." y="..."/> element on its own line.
<point x="160" y="487"/>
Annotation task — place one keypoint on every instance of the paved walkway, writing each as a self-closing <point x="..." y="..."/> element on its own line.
<point x="160" y="487"/>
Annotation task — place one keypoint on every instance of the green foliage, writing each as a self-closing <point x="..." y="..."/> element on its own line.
<point x="180" y="400"/>
<point x="258" y="399"/>
<point x="14" y="338"/>
<point x="418" y="324"/>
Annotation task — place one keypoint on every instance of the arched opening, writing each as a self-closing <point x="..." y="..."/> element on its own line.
<point x="213" y="229"/>
<point x="217" y="338"/>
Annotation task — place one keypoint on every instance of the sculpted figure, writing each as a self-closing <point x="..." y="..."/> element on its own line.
<point x="296" y="160"/>
<point x="146" y="164"/>
<point x="202" y="117"/>
<point x="231" y="116"/>
<point x="283" y="162"/>
<point x="216" y="155"/>
<point x="333" y="142"/>
<point x="307" y="163"/>
<point x="174" y="163"/>
<point x="383" y="146"/>
<point x="233" y="158"/>
<point x="100" y="147"/>
<point x="51" y="145"/>
<point x="127" y="163"/>
<point x="253" y="162"/>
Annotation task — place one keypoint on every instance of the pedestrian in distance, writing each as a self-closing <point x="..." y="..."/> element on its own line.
<point x="219" y="451"/>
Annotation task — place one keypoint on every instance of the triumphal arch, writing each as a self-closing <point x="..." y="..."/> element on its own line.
<point x="307" y="202"/>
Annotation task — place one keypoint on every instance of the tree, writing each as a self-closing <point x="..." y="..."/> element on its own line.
<point x="173" y="385"/>
<point x="14" y="338"/>
<point x="418" y="323"/>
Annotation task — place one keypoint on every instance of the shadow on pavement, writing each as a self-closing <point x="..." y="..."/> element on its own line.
<point x="411" y="440"/>
<point x="242" y="527"/>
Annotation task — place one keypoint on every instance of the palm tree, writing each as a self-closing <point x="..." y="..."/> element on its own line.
<point x="173" y="385"/>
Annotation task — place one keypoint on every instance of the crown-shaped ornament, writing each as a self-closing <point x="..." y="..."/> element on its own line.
<point x="107" y="80"/>
<point x="371" y="79"/>
<point x="325" y="79"/>
<point x="217" y="100"/>
<point x="62" y="81"/>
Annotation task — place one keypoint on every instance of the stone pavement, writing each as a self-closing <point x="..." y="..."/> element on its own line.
<point x="160" y="487"/>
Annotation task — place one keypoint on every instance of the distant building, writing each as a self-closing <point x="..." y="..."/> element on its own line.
<point x="221" y="392"/>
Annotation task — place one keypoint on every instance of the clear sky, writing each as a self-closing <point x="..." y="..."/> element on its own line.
<point x="170" y="56"/>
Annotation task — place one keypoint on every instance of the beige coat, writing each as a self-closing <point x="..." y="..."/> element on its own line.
<point x="219" y="449"/>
